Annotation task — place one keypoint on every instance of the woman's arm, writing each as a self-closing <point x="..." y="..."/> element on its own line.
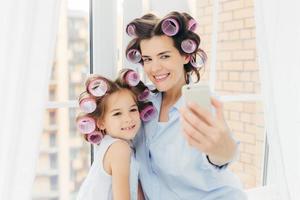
<point x="119" y="156"/>
<point x="210" y="134"/>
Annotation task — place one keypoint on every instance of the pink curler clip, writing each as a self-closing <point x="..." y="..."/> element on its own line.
<point x="134" y="56"/>
<point x="130" y="30"/>
<point x="86" y="125"/>
<point x="97" y="87"/>
<point x="188" y="45"/>
<point x="170" y="26"/>
<point x="148" y="113"/>
<point x="197" y="61"/>
<point x="192" y="25"/>
<point x="88" y="105"/>
<point x="132" y="78"/>
<point x="144" y="95"/>
<point x="95" y="137"/>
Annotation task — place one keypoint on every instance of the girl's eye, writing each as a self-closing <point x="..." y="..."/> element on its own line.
<point x="134" y="110"/>
<point x="116" y="114"/>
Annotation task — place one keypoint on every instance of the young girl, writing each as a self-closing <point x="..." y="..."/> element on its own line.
<point x="111" y="119"/>
<point x="183" y="152"/>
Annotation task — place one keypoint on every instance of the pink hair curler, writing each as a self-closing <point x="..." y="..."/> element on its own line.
<point x="144" y="95"/>
<point x="95" y="137"/>
<point x="192" y="25"/>
<point x="197" y="61"/>
<point x="97" y="87"/>
<point x="130" y="30"/>
<point x="134" y="56"/>
<point x="88" y="105"/>
<point x="86" y="124"/>
<point x="132" y="78"/>
<point x="148" y="113"/>
<point x="170" y="26"/>
<point x="188" y="45"/>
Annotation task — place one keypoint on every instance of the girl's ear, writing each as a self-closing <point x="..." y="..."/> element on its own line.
<point x="100" y="124"/>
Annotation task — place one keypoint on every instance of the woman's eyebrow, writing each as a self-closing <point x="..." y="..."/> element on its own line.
<point x="161" y="53"/>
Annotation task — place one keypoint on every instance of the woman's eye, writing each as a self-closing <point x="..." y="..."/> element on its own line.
<point x="146" y="60"/>
<point x="164" y="56"/>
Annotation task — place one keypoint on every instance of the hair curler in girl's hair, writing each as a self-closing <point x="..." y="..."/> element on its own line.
<point x="86" y="103"/>
<point x="144" y="95"/>
<point x="148" y="112"/>
<point x="134" y="56"/>
<point x="192" y="25"/>
<point x="188" y="45"/>
<point x="97" y="87"/>
<point x="86" y="124"/>
<point x="197" y="60"/>
<point x="170" y="26"/>
<point x="130" y="30"/>
<point x="131" y="77"/>
<point x="94" y="137"/>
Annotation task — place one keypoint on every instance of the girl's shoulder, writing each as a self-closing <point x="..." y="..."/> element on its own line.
<point x="119" y="147"/>
<point x="117" y="152"/>
<point x="118" y="156"/>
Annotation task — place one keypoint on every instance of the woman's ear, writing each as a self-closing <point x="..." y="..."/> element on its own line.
<point x="186" y="59"/>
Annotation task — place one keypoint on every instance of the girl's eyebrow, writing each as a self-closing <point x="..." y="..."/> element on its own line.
<point x="118" y="109"/>
<point x="134" y="105"/>
<point x="161" y="53"/>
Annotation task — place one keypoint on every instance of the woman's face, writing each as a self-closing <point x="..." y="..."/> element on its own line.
<point x="163" y="63"/>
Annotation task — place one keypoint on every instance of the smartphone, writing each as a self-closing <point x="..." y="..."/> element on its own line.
<point x="198" y="93"/>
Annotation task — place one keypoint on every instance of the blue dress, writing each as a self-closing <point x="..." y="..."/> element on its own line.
<point x="170" y="169"/>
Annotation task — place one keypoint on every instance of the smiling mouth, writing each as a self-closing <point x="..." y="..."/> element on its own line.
<point x="128" y="128"/>
<point x="159" y="78"/>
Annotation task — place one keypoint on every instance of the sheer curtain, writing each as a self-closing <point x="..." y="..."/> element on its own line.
<point x="27" y="42"/>
<point x="278" y="45"/>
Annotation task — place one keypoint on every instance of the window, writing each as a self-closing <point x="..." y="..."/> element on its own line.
<point x="54" y="182"/>
<point x="65" y="159"/>
<point x="53" y="161"/>
<point x="52" y="117"/>
<point x="52" y="142"/>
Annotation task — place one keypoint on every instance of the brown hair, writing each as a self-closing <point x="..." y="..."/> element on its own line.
<point x="149" y="26"/>
<point x="113" y="86"/>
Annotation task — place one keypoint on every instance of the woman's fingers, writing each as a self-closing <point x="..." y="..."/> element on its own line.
<point x="219" y="108"/>
<point x="194" y="120"/>
<point x="192" y="132"/>
<point x="201" y="112"/>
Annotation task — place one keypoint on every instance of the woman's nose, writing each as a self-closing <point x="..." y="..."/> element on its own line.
<point x="155" y="66"/>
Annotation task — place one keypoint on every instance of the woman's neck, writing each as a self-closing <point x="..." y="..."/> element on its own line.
<point x="171" y="96"/>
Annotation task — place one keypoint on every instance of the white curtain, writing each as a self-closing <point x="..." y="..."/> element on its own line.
<point x="278" y="45"/>
<point x="27" y="43"/>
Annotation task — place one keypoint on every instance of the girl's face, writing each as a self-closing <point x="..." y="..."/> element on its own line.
<point x="163" y="63"/>
<point x="121" y="118"/>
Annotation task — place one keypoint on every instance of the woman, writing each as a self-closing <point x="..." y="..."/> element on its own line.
<point x="184" y="151"/>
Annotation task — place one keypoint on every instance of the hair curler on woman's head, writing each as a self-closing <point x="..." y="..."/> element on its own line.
<point x="180" y="27"/>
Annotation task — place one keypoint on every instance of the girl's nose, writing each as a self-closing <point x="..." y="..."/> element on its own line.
<point x="127" y="117"/>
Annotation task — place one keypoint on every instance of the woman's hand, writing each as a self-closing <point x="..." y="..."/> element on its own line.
<point x="210" y="134"/>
